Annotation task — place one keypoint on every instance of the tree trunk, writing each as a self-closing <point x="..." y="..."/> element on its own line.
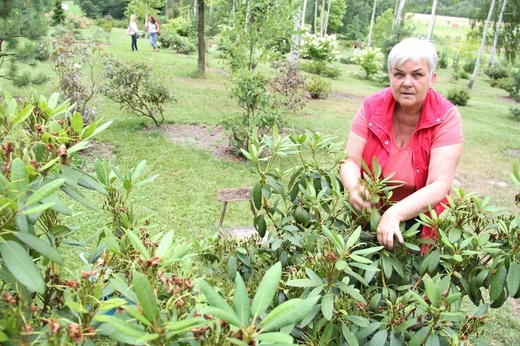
<point x="372" y="21"/>
<point x="304" y="9"/>
<point x="295" y="38"/>
<point x="482" y="44"/>
<point x="322" y="16"/>
<point x="326" y="28"/>
<point x="432" y="20"/>
<point x="247" y="15"/>
<point x="497" y="31"/>
<point x="315" y="15"/>
<point x="201" y="42"/>
<point x="399" y="15"/>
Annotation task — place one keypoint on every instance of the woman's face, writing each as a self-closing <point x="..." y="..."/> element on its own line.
<point x="410" y="83"/>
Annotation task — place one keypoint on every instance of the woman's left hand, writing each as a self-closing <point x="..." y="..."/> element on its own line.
<point x="388" y="228"/>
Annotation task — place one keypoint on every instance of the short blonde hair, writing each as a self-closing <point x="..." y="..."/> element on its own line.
<point x="413" y="49"/>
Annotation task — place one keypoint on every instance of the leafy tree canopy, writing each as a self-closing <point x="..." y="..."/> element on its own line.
<point x="509" y="35"/>
<point x="97" y="9"/>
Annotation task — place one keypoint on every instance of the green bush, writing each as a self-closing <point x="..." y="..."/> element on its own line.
<point x="40" y="78"/>
<point x="497" y="72"/>
<point x="320" y="278"/>
<point x="135" y="87"/>
<point x="319" y="48"/>
<point x="347" y="60"/>
<point x="370" y="60"/>
<point x="503" y="83"/>
<point x="443" y="60"/>
<point x="469" y="66"/>
<point x="320" y="68"/>
<point x="515" y="111"/>
<point x="514" y="93"/>
<point x="180" y="44"/>
<point x="458" y="97"/>
<point x="318" y="87"/>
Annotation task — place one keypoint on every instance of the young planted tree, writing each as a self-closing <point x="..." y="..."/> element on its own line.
<point x="58" y="14"/>
<point x="135" y="87"/>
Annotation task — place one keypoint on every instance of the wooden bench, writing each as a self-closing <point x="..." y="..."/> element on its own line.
<point x="238" y="194"/>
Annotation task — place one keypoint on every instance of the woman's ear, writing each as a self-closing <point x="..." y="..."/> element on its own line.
<point x="433" y="79"/>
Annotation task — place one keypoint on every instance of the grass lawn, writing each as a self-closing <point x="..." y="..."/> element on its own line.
<point x="183" y="198"/>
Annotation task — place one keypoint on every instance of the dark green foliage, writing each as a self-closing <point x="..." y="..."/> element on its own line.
<point x="58" y="14"/>
<point x="515" y="111"/>
<point x="458" y="97"/>
<point x="443" y="60"/>
<point x="97" y="9"/>
<point x="180" y="44"/>
<point x="514" y="93"/>
<point x="24" y="28"/>
<point x="23" y="79"/>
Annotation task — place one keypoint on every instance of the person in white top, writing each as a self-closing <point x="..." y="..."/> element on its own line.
<point x="152" y="27"/>
<point x="133" y="31"/>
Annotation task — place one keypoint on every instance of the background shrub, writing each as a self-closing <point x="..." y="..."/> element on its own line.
<point x="497" y="71"/>
<point x="503" y="83"/>
<point x="320" y="68"/>
<point x="458" y="97"/>
<point x="469" y="66"/>
<point x="515" y="111"/>
<point x="318" y="88"/>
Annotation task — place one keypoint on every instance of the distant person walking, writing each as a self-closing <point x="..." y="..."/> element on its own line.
<point x="133" y="31"/>
<point x="153" y="30"/>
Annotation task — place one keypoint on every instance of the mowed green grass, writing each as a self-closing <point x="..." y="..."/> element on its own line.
<point x="183" y="198"/>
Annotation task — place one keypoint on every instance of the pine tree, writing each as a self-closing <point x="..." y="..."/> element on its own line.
<point x="23" y="28"/>
<point x="58" y="15"/>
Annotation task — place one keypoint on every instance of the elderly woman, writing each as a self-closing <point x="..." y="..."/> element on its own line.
<point x="414" y="133"/>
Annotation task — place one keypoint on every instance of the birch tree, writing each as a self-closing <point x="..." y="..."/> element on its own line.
<point x="432" y="20"/>
<point x="372" y="21"/>
<point x="325" y="29"/>
<point x="399" y="15"/>
<point x="304" y="10"/>
<point x="201" y="40"/>
<point x="497" y="32"/>
<point x="482" y="45"/>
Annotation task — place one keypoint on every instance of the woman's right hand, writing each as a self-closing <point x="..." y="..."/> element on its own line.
<point x="360" y="198"/>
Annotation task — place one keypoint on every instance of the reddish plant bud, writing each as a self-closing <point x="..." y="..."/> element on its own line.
<point x="72" y="284"/>
<point x="75" y="333"/>
<point x="88" y="275"/>
<point x="54" y="326"/>
<point x="7" y="166"/>
<point x="62" y="151"/>
<point x="28" y="329"/>
<point x="34" y="163"/>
